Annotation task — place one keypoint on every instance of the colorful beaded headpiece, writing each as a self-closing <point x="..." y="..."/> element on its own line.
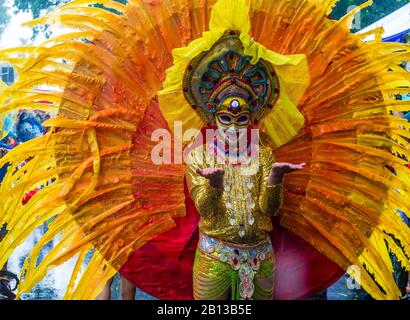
<point x="224" y="71"/>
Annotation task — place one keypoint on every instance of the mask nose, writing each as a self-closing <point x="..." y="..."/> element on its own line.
<point x="232" y="130"/>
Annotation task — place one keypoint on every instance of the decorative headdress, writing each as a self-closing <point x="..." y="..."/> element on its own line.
<point x="224" y="71"/>
<point x="227" y="62"/>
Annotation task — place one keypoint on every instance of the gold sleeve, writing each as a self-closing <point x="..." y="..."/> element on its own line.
<point x="270" y="196"/>
<point x="207" y="199"/>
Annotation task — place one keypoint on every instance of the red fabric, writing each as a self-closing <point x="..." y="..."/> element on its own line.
<point x="29" y="195"/>
<point x="163" y="267"/>
<point x="301" y="271"/>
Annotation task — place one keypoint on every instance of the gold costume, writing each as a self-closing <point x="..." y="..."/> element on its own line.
<point x="212" y="279"/>
<point x="211" y="202"/>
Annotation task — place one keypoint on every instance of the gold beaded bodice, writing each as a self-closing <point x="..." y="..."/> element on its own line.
<point x="241" y="212"/>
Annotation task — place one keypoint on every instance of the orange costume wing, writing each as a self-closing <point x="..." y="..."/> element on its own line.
<point x="95" y="170"/>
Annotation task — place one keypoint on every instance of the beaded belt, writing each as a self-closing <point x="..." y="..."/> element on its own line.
<point x="245" y="259"/>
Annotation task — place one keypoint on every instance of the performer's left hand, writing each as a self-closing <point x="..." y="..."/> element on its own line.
<point x="279" y="169"/>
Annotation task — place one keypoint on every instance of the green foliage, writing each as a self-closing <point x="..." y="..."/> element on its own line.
<point x="98" y="5"/>
<point x="4" y="17"/>
<point x="35" y="6"/>
<point x="377" y="11"/>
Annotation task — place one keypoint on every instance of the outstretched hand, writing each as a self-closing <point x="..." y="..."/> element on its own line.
<point x="214" y="175"/>
<point x="279" y="169"/>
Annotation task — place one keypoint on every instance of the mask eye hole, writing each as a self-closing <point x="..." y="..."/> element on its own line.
<point x="225" y="119"/>
<point x="243" y="120"/>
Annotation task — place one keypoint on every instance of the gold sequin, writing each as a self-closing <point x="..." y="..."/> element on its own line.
<point x="211" y="203"/>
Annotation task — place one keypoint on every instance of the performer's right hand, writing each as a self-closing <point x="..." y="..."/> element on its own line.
<point x="214" y="175"/>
